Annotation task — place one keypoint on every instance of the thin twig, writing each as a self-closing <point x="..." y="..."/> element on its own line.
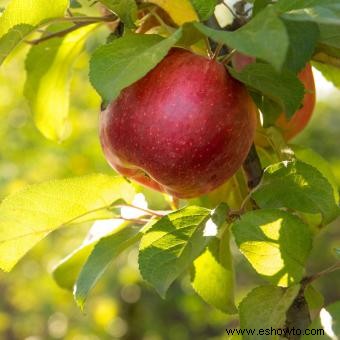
<point x="230" y="9"/>
<point x="253" y="169"/>
<point x="78" y="23"/>
<point x="210" y="52"/>
<point x="59" y="34"/>
<point x="69" y="12"/>
<point x="106" y="18"/>
<point x="217" y="51"/>
<point x="316" y="276"/>
<point x="226" y="59"/>
<point x="157" y="213"/>
<point x="160" y="20"/>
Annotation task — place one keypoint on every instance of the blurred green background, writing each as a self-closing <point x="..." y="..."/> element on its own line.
<point x="33" y="307"/>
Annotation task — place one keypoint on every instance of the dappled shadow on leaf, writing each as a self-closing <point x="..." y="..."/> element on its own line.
<point x="276" y="244"/>
<point x="170" y="246"/>
<point x="212" y="275"/>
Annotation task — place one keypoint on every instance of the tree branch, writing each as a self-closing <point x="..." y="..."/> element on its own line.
<point x="298" y="316"/>
<point x="59" y="34"/>
<point x="324" y="58"/>
<point x="253" y="169"/>
<point x="310" y="279"/>
<point x="78" y="23"/>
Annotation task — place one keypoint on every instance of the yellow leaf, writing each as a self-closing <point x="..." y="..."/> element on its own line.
<point x="49" y="72"/>
<point x="29" y="215"/>
<point x="181" y="11"/>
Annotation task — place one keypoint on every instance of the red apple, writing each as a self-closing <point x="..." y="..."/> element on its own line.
<point x="290" y="128"/>
<point x="300" y="119"/>
<point x="240" y="61"/>
<point x="183" y="129"/>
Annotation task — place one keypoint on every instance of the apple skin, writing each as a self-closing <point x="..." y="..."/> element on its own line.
<point x="184" y="128"/>
<point x="290" y="128"/>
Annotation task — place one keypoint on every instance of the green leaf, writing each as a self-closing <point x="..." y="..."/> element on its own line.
<point x="75" y="4"/>
<point x="303" y="37"/>
<point x="49" y="69"/>
<point x="312" y="158"/>
<point x="299" y="186"/>
<point x="67" y="270"/>
<point x="285" y="89"/>
<point x="337" y="252"/>
<point x="213" y="275"/>
<point x="125" y="9"/>
<point x="270" y="110"/>
<point x="171" y="244"/>
<point x="313" y="297"/>
<point x="259" y="5"/>
<point x="320" y="12"/>
<point x="331" y="73"/>
<point x="329" y="35"/>
<point x="27" y="216"/>
<point x="22" y="16"/>
<point x="328" y="322"/>
<point x="102" y="255"/>
<point x="204" y="8"/>
<point x="275" y="243"/>
<point x="10" y="40"/>
<point x="287" y="5"/>
<point x="119" y="64"/>
<point x="265" y="307"/>
<point x="264" y="37"/>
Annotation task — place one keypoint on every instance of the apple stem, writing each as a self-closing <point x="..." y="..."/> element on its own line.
<point x="226" y="59"/>
<point x="253" y="169"/>
<point x="217" y="51"/>
<point x="210" y="52"/>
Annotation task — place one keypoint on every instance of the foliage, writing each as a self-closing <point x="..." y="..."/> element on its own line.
<point x="274" y="225"/>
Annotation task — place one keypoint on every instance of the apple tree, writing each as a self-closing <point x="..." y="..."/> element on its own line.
<point x="200" y="101"/>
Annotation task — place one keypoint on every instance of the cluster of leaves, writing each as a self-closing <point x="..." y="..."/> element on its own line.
<point x="273" y="225"/>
